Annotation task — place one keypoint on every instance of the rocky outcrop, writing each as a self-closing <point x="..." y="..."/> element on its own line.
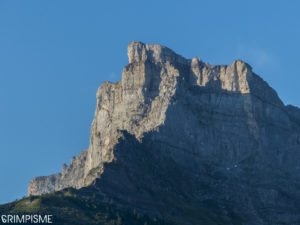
<point x="176" y="135"/>
<point x="137" y="104"/>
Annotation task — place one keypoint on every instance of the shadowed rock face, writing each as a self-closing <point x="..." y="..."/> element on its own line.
<point x="177" y="135"/>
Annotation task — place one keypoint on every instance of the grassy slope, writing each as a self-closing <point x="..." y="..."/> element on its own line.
<point x="68" y="208"/>
<point x="71" y="207"/>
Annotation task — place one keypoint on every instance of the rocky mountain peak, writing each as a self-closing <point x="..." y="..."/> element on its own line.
<point x="237" y="77"/>
<point x="140" y="52"/>
<point x="217" y="126"/>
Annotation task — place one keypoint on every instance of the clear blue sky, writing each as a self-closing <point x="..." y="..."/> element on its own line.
<point x="54" y="55"/>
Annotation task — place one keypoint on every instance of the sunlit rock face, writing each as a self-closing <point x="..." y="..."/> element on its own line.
<point x="178" y="132"/>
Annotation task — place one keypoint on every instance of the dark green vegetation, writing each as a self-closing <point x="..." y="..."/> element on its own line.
<point x="76" y="207"/>
<point x="67" y="207"/>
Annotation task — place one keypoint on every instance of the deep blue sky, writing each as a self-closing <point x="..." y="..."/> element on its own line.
<point x="54" y="55"/>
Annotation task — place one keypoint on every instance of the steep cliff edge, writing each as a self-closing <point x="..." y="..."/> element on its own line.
<point x="176" y="134"/>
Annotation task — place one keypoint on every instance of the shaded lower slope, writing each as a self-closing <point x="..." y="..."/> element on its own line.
<point x="169" y="181"/>
<point x="144" y="176"/>
<point x="154" y="181"/>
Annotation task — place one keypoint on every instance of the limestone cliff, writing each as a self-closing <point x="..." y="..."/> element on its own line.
<point x="177" y="130"/>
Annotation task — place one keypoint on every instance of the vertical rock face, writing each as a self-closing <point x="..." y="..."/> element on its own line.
<point x="191" y="132"/>
<point x="137" y="104"/>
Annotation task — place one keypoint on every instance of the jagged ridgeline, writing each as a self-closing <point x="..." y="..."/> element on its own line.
<point x="190" y="143"/>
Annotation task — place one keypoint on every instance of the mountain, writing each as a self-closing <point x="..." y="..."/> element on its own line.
<point x="190" y="143"/>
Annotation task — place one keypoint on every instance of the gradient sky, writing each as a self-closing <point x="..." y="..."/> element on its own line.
<point x="55" y="54"/>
